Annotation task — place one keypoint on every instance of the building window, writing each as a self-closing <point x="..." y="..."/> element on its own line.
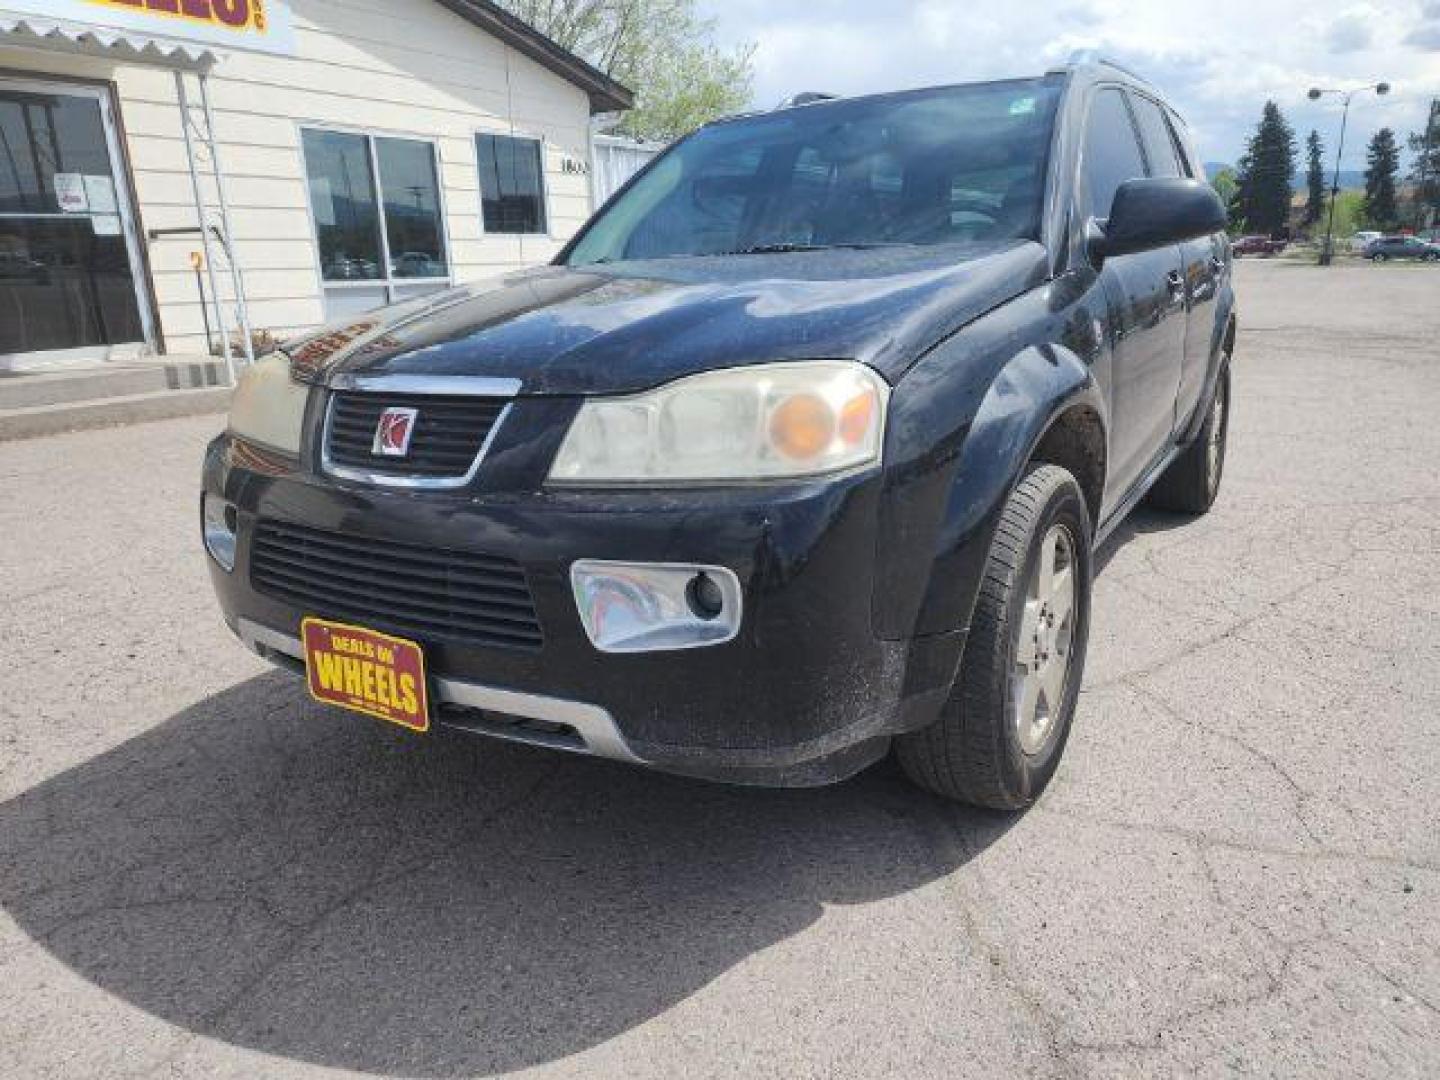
<point x="512" y="185"/>
<point x="376" y="206"/>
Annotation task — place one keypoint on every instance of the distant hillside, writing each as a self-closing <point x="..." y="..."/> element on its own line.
<point x="1350" y="179"/>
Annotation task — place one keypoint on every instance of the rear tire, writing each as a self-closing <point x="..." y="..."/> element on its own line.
<point x="999" y="737"/>
<point x="1192" y="482"/>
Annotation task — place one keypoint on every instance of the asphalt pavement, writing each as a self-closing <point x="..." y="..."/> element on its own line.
<point x="1235" y="873"/>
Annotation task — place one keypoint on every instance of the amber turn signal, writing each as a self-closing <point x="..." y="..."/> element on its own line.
<point x="802" y="427"/>
<point x="856" y="416"/>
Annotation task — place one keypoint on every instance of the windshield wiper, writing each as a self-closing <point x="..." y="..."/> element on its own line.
<point x="772" y="249"/>
<point x="781" y="249"/>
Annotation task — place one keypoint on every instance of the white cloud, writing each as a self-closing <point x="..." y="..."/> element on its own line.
<point x="1351" y="31"/>
<point x="1219" y="70"/>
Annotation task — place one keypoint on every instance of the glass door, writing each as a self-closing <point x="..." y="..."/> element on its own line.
<point x="70" y="278"/>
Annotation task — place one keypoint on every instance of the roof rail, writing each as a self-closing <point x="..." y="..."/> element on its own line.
<point x="1081" y="57"/>
<point x="805" y="97"/>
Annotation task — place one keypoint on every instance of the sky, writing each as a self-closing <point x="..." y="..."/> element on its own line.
<point x="1218" y="69"/>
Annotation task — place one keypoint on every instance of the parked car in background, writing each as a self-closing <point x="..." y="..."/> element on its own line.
<point x="1256" y="245"/>
<point x="17" y="266"/>
<point x="344" y="268"/>
<point x="417" y="264"/>
<point x="1363" y="239"/>
<point x="800" y="450"/>
<point x="1402" y="247"/>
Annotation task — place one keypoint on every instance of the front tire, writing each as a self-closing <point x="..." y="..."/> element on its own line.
<point x="1000" y="735"/>
<point x="1192" y="482"/>
<point x="1378" y="258"/>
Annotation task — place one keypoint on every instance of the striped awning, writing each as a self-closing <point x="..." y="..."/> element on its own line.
<point x="25" y="31"/>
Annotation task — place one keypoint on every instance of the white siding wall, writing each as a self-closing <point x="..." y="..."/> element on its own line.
<point x="403" y="67"/>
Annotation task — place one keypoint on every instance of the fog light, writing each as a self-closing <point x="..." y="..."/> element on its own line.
<point x="219" y="521"/>
<point x="705" y="597"/>
<point x="652" y="607"/>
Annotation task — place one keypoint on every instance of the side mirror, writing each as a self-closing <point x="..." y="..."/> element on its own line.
<point x="1152" y="212"/>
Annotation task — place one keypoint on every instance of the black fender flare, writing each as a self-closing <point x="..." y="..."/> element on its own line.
<point x="937" y="528"/>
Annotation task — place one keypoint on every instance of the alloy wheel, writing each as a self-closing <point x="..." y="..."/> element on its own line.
<point x="1215" y="439"/>
<point x="1047" y="632"/>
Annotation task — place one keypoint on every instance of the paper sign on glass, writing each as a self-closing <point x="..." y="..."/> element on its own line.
<point x="70" y="193"/>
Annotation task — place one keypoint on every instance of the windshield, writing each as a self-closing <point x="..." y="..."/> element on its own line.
<point x="925" y="167"/>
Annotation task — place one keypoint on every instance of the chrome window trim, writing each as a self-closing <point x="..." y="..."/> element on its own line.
<point x="593" y="723"/>
<point x="451" y="385"/>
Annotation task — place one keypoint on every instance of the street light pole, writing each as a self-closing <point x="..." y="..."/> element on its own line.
<point x="1327" y="252"/>
<point x="1381" y="88"/>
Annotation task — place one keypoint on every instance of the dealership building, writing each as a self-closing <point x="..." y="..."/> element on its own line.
<point x="339" y="154"/>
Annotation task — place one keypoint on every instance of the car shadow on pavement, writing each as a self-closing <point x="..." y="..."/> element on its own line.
<point x="1141" y="522"/>
<point x="261" y="870"/>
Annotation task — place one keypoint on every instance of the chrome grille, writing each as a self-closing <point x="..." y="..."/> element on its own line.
<point x="451" y="433"/>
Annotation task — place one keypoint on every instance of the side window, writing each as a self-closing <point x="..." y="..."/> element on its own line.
<point x="1112" y="154"/>
<point x="1184" y="146"/>
<point x="1159" y="143"/>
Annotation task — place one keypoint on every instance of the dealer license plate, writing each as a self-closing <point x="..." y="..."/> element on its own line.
<point x="367" y="672"/>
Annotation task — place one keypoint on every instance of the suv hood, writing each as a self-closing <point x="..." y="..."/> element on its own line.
<point x="632" y="326"/>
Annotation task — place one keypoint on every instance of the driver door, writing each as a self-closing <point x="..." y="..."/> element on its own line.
<point x="1145" y="296"/>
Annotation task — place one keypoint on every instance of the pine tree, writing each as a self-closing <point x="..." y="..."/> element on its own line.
<point x="1425" y="145"/>
<point x="1384" y="164"/>
<point x="1314" y="178"/>
<point x="1240" y="194"/>
<point x="1264" y="173"/>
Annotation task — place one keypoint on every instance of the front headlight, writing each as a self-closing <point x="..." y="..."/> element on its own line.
<point x="768" y="422"/>
<point x="268" y="406"/>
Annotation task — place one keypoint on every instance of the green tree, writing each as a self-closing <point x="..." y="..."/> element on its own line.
<point x="1383" y="160"/>
<point x="1225" y="185"/>
<point x="1349" y="213"/>
<point x="1425" y="174"/>
<point x="1239" y="195"/>
<point x="662" y="49"/>
<point x="1264" y="174"/>
<point x="1314" y="178"/>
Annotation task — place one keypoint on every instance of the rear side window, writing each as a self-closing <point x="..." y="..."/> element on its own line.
<point x="1185" y="146"/>
<point x="1112" y="152"/>
<point x="1159" y="143"/>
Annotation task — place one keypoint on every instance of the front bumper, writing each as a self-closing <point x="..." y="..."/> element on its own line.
<point x="806" y="693"/>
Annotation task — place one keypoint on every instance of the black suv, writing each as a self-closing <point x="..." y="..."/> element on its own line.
<point x="797" y="453"/>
